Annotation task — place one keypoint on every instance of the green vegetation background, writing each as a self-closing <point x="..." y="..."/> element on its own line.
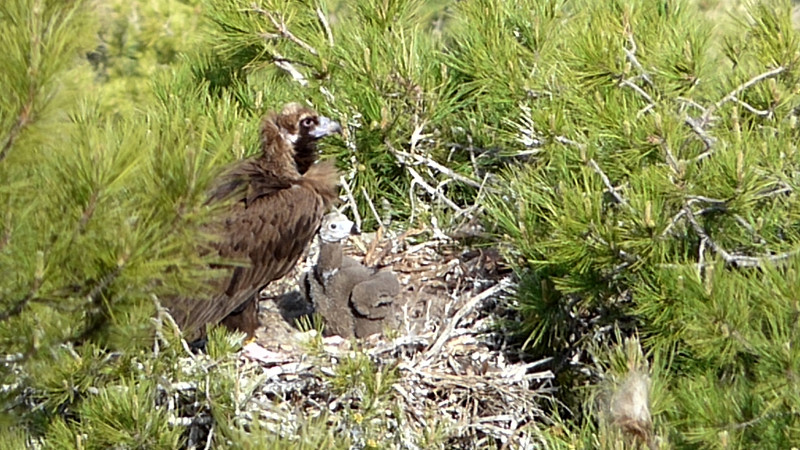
<point x="636" y="160"/>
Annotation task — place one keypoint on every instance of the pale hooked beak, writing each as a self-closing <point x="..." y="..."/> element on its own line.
<point x="354" y="230"/>
<point x="326" y="127"/>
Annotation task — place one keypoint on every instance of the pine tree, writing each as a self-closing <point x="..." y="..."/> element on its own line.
<point x="660" y="202"/>
<point x="102" y="217"/>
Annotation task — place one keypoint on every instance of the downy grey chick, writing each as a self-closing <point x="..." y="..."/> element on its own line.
<point x="353" y="299"/>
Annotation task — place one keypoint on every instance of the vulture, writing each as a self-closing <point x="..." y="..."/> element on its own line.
<point x="352" y="299"/>
<point x="275" y="203"/>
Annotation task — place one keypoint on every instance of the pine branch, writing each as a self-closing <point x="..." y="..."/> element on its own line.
<point x="756" y="79"/>
<point x="283" y="30"/>
<point x="18" y="307"/>
<point x="38" y="277"/>
<point x="736" y="260"/>
<point x="24" y="118"/>
<point x="611" y="189"/>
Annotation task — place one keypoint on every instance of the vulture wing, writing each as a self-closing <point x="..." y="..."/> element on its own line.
<point x="268" y="231"/>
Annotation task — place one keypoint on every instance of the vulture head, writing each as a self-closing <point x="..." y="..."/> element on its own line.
<point x="336" y="228"/>
<point x="299" y="128"/>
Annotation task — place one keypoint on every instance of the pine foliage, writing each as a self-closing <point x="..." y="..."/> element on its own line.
<point x="102" y="218"/>
<point x="661" y="199"/>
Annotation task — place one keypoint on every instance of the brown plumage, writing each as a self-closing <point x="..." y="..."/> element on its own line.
<point x="277" y="202"/>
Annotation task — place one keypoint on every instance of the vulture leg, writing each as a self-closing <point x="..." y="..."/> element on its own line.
<point x="244" y="318"/>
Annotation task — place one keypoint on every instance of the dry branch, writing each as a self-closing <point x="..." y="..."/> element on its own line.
<point x="738" y="90"/>
<point x="351" y="201"/>
<point x="434" y="165"/>
<point x="466" y="309"/>
<point x="283" y="30"/>
<point x="611" y="189"/>
<point x="732" y="258"/>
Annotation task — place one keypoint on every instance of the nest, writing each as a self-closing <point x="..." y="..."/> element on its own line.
<point x="451" y="365"/>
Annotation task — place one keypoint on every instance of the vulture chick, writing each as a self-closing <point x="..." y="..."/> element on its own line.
<point x="323" y="287"/>
<point x="352" y="299"/>
<point x="276" y="203"/>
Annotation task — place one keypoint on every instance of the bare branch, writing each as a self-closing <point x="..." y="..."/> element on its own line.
<point x="671" y="160"/>
<point x="734" y="93"/>
<point x="417" y="178"/>
<point x="731" y="258"/>
<point x="638" y="90"/>
<point x="284" y="64"/>
<point x="446" y="334"/>
<point x="431" y="190"/>
<point x="372" y="208"/>
<point x="324" y="21"/>
<point x="752" y="109"/>
<point x="567" y="141"/>
<point x="708" y="140"/>
<point x="611" y="189"/>
<point x="785" y="189"/>
<point x="434" y="165"/>
<point x="283" y="30"/>
<point x="351" y="201"/>
<point x="701" y="198"/>
<point x="690" y="102"/>
<point x="630" y="53"/>
<point x="675" y="219"/>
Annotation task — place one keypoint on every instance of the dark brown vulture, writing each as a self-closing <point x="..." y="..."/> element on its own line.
<point x="278" y="201"/>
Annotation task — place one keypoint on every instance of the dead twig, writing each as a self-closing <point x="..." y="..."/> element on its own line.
<point x="445" y="335"/>
<point x="638" y="90"/>
<point x="372" y="247"/>
<point x="351" y="201"/>
<point x="417" y="179"/>
<point x="708" y="140"/>
<point x="738" y="90"/>
<point x="567" y="141"/>
<point x="630" y="53"/>
<point x="434" y="165"/>
<point x="752" y="109"/>
<point x="692" y="103"/>
<point x="611" y="189"/>
<point x="283" y="30"/>
<point x="284" y="64"/>
<point x="731" y="258"/>
<point x="324" y="21"/>
<point x="372" y="208"/>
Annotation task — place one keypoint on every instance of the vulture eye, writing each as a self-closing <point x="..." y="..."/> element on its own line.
<point x="333" y="226"/>
<point x="308" y="122"/>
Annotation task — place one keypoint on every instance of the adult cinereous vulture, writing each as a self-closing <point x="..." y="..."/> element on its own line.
<point x="278" y="200"/>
